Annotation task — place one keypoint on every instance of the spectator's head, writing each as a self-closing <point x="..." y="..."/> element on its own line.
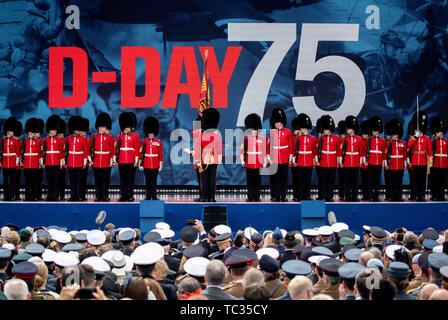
<point x="160" y="270"/>
<point x="25" y="235"/>
<point x="253" y="277"/>
<point x="427" y="291"/>
<point x="300" y="288"/>
<point x="70" y="276"/>
<point x="41" y="277"/>
<point x="440" y="294"/>
<point x="365" y="257"/>
<point x="256" y="293"/>
<point x="136" y="290"/>
<point x="109" y="227"/>
<point x="4" y="232"/>
<point x="17" y="289"/>
<point x="366" y="280"/>
<point x="188" y="288"/>
<point x="87" y="276"/>
<point x="386" y="291"/>
<point x="322" y="297"/>
<point x="105" y="248"/>
<point x="216" y="273"/>
<point x="376" y="253"/>
<point x="43" y="241"/>
<point x="13" y="238"/>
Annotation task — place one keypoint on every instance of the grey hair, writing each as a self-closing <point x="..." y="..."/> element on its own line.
<point x="189" y="284"/>
<point x="253" y="277"/>
<point x="216" y="273"/>
<point x="16" y="289"/>
<point x="376" y="253"/>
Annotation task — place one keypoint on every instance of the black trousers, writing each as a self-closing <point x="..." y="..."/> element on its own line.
<point x="52" y="182"/>
<point x="341" y="181"/>
<point x="85" y="174"/>
<point x="17" y="177"/>
<point x="304" y="177"/>
<point x="295" y="182"/>
<point x="387" y="183"/>
<point x="365" y="183"/>
<point x="75" y="175"/>
<point x="351" y="183"/>
<point x="395" y="184"/>
<point x="419" y="181"/>
<point x="326" y="182"/>
<point x="279" y="181"/>
<point x="8" y="183"/>
<point x="61" y="183"/>
<point x="151" y="183"/>
<point x="40" y="178"/>
<point x="31" y="184"/>
<point x="374" y="177"/>
<point x="438" y="181"/>
<point x="127" y="181"/>
<point x="102" y="182"/>
<point x="201" y="191"/>
<point x="411" y="183"/>
<point x="208" y="181"/>
<point x="253" y="184"/>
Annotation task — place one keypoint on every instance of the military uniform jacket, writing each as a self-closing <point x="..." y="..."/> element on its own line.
<point x="276" y="288"/>
<point x="375" y="151"/>
<point x="235" y="289"/>
<point x="207" y="147"/>
<point x="352" y="151"/>
<point x="53" y="151"/>
<point x="77" y="151"/>
<point x="128" y="148"/>
<point x="419" y="150"/>
<point x="254" y="150"/>
<point x="318" y="287"/>
<point x="152" y="153"/>
<point x="305" y="150"/>
<point x="440" y="151"/>
<point x="328" y="151"/>
<point x="102" y="148"/>
<point x="332" y="291"/>
<point x="31" y="153"/>
<point x="282" y="145"/>
<point x="10" y="152"/>
<point x="396" y="155"/>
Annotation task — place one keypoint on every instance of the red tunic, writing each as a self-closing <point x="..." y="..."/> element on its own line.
<point x="211" y="147"/>
<point x="396" y="155"/>
<point x="328" y="151"/>
<point x="102" y="147"/>
<point x="352" y="151"/>
<point x="420" y="149"/>
<point x="32" y="153"/>
<point x="77" y="148"/>
<point x="376" y="151"/>
<point x="128" y="148"/>
<point x="152" y="153"/>
<point x="10" y="152"/>
<point x="53" y="150"/>
<point x="364" y="147"/>
<point x="440" y="148"/>
<point x="305" y="149"/>
<point x="282" y="145"/>
<point x="254" y="150"/>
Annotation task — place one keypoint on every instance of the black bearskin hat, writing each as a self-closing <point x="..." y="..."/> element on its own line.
<point x="53" y="122"/>
<point x="277" y="115"/>
<point x="327" y="123"/>
<point x="103" y="120"/>
<point x="210" y="119"/>
<point x="18" y="130"/>
<point x="351" y="123"/>
<point x="151" y="125"/>
<point x="126" y="120"/>
<point x="74" y="124"/>
<point x="394" y="127"/>
<point x="134" y="120"/>
<point x="365" y="127"/>
<point x="342" y="128"/>
<point x="10" y="125"/>
<point x="252" y="121"/>
<point x="85" y="125"/>
<point x="62" y="127"/>
<point x="32" y="125"/>
<point x="422" y="121"/>
<point x="304" y="121"/>
<point x="438" y="125"/>
<point x="376" y="124"/>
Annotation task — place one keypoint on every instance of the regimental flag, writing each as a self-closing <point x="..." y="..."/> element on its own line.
<point x="204" y="101"/>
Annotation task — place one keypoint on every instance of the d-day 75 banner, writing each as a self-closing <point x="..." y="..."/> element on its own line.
<point x="337" y="57"/>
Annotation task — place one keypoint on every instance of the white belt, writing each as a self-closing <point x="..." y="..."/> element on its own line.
<point x="352" y="153"/>
<point x="440" y="155"/>
<point x="281" y="147"/>
<point x="102" y="152"/>
<point x="396" y="157"/>
<point x="52" y="152"/>
<point x="127" y="149"/>
<point x="151" y="155"/>
<point x="253" y="152"/>
<point x="305" y="152"/>
<point x="76" y="152"/>
<point x="329" y="152"/>
<point x="9" y="154"/>
<point x="31" y="154"/>
<point x="376" y="151"/>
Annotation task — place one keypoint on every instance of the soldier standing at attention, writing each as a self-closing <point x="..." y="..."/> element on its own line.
<point x="62" y="129"/>
<point x="294" y="169"/>
<point x="9" y="157"/>
<point x="341" y="178"/>
<point x="365" y="132"/>
<point x="18" y="174"/>
<point x="151" y="156"/>
<point x="31" y="158"/>
<point x="395" y="159"/>
<point x="375" y="157"/>
<point x="440" y="162"/>
<point x="85" y="172"/>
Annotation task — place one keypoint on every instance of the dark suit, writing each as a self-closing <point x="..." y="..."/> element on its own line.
<point x="287" y="255"/>
<point x="172" y="262"/>
<point x="334" y="246"/>
<point x="216" y="293"/>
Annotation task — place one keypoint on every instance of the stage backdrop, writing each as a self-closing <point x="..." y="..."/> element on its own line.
<point x="337" y="57"/>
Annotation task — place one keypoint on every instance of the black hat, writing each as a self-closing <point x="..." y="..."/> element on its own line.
<point x="346" y="234"/>
<point x="376" y="124"/>
<point x="365" y="127"/>
<point x="295" y="124"/>
<point x="327" y="123"/>
<point x="41" y="125"/>
<point x="85" y="124"/>
<point x="134" y="120"/>
<point x="13" y="226"/>
<point x="277" y="115"/>
<point x="240" y="258"/>
<point x="351" y="123"/>
<point x="103" y="120"/>
<point x="319" y="125"/>
<point x="126" y="120"/>
<point x="151" y="125"/>
<point x="72" y="247"/>
<point x="331" y="266"/>
<point x="350" y="270"/>
<point x="304" y="121"/>
<point x="294" y="268"/>
<point x="18" y="130"/>
<point x="194" y="251"/>
<point x="53" y="122"/>
<point x="223" y="237"/>
<point x="399" y="270"/>
<point x="342" y="129"/>
<point x="268" y="264"/>
<point x="74" y="124"/>
<point x="289" y="240"/>
<point x="422" y="121"/>
<point x="252" y="121"/>
<point x="10" y="125"/>
<point x="438" y="125"/>
<point x="394" y="127"/>
<point x="210" y="119"/>
<point x="32" y="125"/>
<point x="378" y="232"/>
<point x="189" y="234"/>
<point x="62" y="127"/>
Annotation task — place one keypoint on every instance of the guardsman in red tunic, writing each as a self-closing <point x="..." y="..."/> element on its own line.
<point x="365" y="132"/>
<point x="53" y="154"/>
<point x="127" y="155"/>
<point x="395" y="159"/>
<point x="85" y="125"/>
<point x="294" y="169"/>
<point x="440" y="160"/>
<point x="31" y="158"/>
<point x="304" y="155"/>
<point x="342" y="130"/>
<point x="352" y="157"/>
<point x="62" y="129"/>
<point x="195" y="152"/>
<point x="102" y="153"/>
<point x="326" y="160"/>
<point x="9" y="157"/>
<point x="420" y="152"/>
<point x="40" y="172"/>
<point x="18" y="174"/>
<point x="253" y="156"/>
<point x="76" y="156"/>
<point x="281" y="153"/>
<point x="375" y="157"/>
<point x="151" y="160"/>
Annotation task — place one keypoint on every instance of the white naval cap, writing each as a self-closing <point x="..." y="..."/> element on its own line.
<point x="437" y="249"/>
<point x="272" y="252"/>
<point x="8" y="246"/>
<point x="284" y="232"/>
<point x="221" y="229"/>
<point x="317" y="259"/>
<point x="162" y="225"/>
<point x="98" y="264"/>
<point x="249" y="231"/>
<point x="339" y="226"/>
<point x="60" y="236"/>
<point x="325" y="231"/>
<point x="65" y="259"/>
<point x="147" y="254"/>
<point x="96" y="237"/>
<point x="123" y="230"/>
<point x="196" y="266"/>
<point x="310" y="232"/>
<point x="357" y="237"/>
<point x="164" y="233"/>
<point x="366" y="227"/>
<point x="48" y="255"/>
<point x="121" y="263"/>
<point x="390" y="250"/>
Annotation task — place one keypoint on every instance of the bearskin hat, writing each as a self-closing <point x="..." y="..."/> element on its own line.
<point x="422" y="121"/>
<point x="134" y="120"/>
<point x="342" y="128"/>
<point x="376" y="124"/>
<point x="252" y="121"/>
<point x="327" y="123"/>
<point x="10" y="125"/>
<point x="85" y="125"/>
<point x="151" y="125"/>
<point x="74" y="124"/>
<point x="365" y="127"/>
<point x="304" y="121"/>
<point x="62" y="127"/>
<point x="277" y="115"/>
<point x="53" y="122"/>
<point x="126" y="120"/>
<point x="18" y="130"/>
<point x="32" y="125"/>
<point x="395" y="127"/>
<point x="210" y="118"/>
<point x="351" y="123"/>
<point x="103" y="120"/>
<point x="438" y="125"/>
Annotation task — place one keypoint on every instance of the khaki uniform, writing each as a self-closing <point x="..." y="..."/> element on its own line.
<point x="276" y="288"/>
<point x="419" y="288"/>
<point x="319" y="286"/>
<point x="38" y="295"/>
<point x="332" y="291"/>
<point x="414" y="284"/>
<point x="234" y="289"/>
